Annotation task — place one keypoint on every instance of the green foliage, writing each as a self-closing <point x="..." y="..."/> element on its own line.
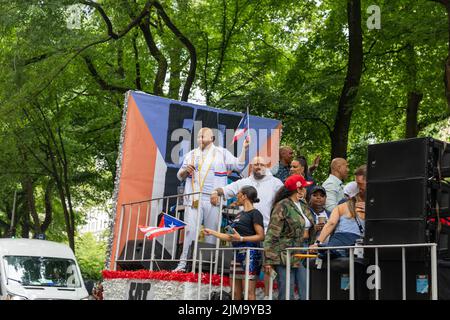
<point x="282" y="59"/>
<point x="91" y="256"/>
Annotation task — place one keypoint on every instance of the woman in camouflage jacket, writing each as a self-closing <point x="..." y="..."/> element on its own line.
<point x="291" y="225"/>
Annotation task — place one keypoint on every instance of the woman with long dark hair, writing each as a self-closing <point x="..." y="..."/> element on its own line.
<point x="247" y="231"/>
<point x="291" y="225"/>
<point x="300" y="166"/>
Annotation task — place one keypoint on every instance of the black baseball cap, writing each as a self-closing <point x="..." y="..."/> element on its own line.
<point x="318" y="188"/>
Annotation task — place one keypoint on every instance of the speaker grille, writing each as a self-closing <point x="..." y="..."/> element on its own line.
<point x="397" y="199"/>
<point x="407" y="231"/>
<point x="398" y="159"/>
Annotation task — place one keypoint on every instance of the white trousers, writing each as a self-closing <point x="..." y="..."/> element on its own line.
<point x="209" y="217"/>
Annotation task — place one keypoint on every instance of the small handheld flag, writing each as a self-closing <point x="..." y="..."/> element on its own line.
<point x="167" y="225"/>
<point x="242" y="128"/>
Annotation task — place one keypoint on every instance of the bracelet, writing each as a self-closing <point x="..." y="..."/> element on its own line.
<point x="317" y="242"/>
<point x="241" y="239"/>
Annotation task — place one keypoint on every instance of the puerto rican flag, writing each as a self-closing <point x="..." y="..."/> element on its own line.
<point x="242" y="127"/>
<point x="167" y="225"/>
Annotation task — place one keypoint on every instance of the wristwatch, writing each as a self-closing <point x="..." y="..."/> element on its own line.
<point x="317" y="242"/>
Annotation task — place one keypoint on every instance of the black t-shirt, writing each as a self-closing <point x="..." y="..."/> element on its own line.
<point x="245" y="220"/>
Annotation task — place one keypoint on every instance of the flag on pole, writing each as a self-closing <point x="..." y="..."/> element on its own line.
<point x="167" y="225"/>
<point x="242" y="128"/>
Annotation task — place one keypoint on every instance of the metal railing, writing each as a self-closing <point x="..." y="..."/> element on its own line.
<point x="290" y="251"/>
<point x="231" y="276"/>
<point x="132" y="215"/>
<point x="146" y="213"/>
<point x="433" y="258"/>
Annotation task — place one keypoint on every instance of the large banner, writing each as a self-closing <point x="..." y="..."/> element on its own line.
<point x="156" y="134"/>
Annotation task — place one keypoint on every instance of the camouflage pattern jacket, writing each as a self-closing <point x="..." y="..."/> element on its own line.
<point x="286" y="230"/>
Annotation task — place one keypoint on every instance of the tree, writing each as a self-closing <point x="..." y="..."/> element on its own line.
<point x="91" y="256"/>
<point x="339" y="135"/>
<point x="446" y="5"/>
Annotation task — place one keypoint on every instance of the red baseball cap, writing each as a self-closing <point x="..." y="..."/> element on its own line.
<point x="296" y="181"/>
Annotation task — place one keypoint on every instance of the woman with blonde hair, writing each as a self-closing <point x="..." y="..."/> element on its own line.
<point x="347" y="219"/>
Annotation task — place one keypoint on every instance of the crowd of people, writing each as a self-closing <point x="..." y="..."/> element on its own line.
<point x="281" y="208"/>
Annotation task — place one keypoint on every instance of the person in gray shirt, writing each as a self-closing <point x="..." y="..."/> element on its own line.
<point x="334" y="183"/>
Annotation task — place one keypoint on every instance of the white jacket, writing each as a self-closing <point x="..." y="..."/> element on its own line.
<point x="267" y="187"/>
<point x="223" y="162"/>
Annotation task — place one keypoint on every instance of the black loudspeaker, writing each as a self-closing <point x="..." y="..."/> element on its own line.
<point x="444" y="243"/>
<point x="396" y="231"/>
<point x="339" y="280"/>
<point x="128" y="261"/>
<point x="418" y="281"/>
<point x="417" y="157"/>
<point x="404" y="190"/>
<point x="444" y="279"/>
<point x="210" y="255"/>
<point x="409" y="198"/>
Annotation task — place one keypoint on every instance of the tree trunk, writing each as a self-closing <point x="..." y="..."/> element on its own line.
<point x="414" y="93"/>
<point x="137" y="65"/>
<point x="447" y="61"/>
<point x="27" y="186"/>
<point x="175" y="71"/>
<point x="98" y="78"/>
<point x="67" y="218"/>
<point x="25" y="233"/>
<point x="156" y="53"/>
<point x="339" y="136"/>
<point x="48" y="206"/>
<point x="189" y="46"/>
<point x="62" y="196"/>
<point x="412" y="128"/>
<point x="446" y="4"/>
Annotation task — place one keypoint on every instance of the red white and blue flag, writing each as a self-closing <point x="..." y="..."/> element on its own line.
<point x="167" y="225"/>
<point x="242" y="127"/>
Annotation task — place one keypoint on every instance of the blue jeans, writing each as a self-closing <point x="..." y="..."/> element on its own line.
<point x="298" y="277"/>
<point x="301" y="275"/>
<point x="340" y="239"/>
<point x="301" y="282"/>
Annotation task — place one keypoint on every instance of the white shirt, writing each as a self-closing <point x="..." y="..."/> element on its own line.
<point x="307" y="222"/>
<point x="266" y="187"/>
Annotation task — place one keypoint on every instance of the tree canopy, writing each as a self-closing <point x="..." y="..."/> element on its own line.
<point x="336" y="84"/>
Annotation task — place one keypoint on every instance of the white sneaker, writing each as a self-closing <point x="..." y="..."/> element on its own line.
<point x="180" y="268"/>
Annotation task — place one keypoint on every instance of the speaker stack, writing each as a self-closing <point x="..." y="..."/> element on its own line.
<point x="406" y="196"/>
<point x="133" y="256"/>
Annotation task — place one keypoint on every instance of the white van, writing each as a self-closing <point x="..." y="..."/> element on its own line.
<point x="39" y="270"/>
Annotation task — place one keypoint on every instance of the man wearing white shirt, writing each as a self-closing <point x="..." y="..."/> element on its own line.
<point x="264" y="182"/>
<point x="204" y="169"/>
<point x="333" y="185"/>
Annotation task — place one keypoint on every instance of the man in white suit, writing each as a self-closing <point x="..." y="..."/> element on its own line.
<point x="204" y="168"/>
